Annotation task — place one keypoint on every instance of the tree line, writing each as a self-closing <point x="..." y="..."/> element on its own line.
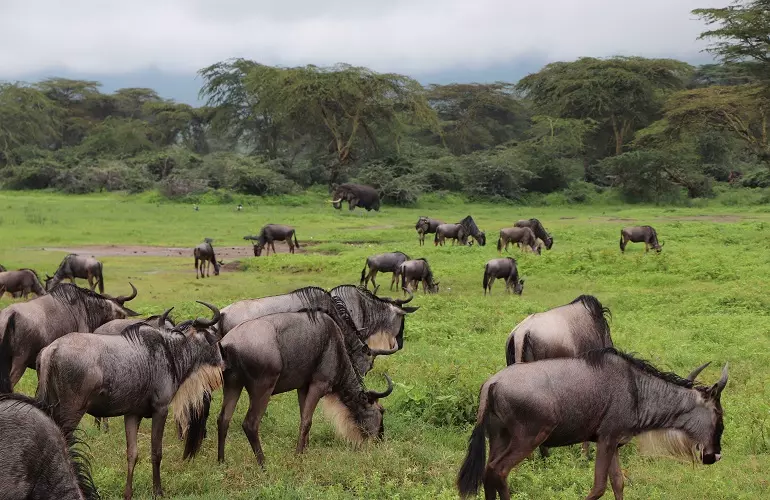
<point x="648" y="129"/>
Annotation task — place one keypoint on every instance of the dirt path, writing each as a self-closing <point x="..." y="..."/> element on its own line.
<point x="225" y="252"/>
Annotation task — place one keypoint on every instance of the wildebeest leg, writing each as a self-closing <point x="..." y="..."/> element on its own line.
<point x="520" y="446"/>
<point x="491" y="282"/>
<point x="586" y="448"/>
<point x="308" y="400"/>
<point x="259" y="395"/>
<point x="605" y="449"/>
<point x="196" y="268"/>
<point x="17" y="371"/>
<point x="272" y="244"/>
<point x="230" y="395"/>
<point x="90" y="279"/>
<point x="616" y="476"/>
<point x="158" y="424"/>
<point x="373" y="275"/>
<point x="393" y="279"/>
<point x="131" y="423"/>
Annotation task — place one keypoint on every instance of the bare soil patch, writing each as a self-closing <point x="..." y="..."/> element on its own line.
<point x="222" y="252"/>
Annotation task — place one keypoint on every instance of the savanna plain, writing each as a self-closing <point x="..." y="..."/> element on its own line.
<point x="704" y="298"/>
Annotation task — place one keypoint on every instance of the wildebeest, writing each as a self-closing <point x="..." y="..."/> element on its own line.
<point x="137" y="375"/>
<point x="38" y="461"/>
<point x="522" y="235"/>
<point x="456" y="232"/>
<point x="30" y="326"/>
<point x="638" y="234"/>
<point x="504" y="268"/>
<point x="357" y="195"/>
<point x="415" y="271"/>
<point x="382" y="263"/>
<point x="205" y="257"/>
<point x="21" y="283"/>
<point x="566" y="331"/>
<point x="269" y="234"/>
<point x="426" y="225"/>
<point x="77" y="266"/>
<point x="282" y="352"/>
<point x="538" y="229"/>
<point x="472" y="230"/>
<point x="603" y="396"/>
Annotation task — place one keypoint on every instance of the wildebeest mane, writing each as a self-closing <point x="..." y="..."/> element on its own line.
<point x="470" y="226"/>
<point x="60" y="270"/>
<point x="596" y="357"/>
<point x="599" y="312"/>
<point x="32" y="271"/>
<point x="91" y="303"/>
<point x="375" y="313"/>
<point x="80" y="464"/>
<point x="538" y="229"/>
<point x="429" y="276"/>
<point x="155" y="340"/>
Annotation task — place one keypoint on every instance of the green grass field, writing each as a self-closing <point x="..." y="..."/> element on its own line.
<point x="703" y="298"/>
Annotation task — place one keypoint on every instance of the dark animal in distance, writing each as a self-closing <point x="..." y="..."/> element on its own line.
<point x="204" y="257"/>
<point x="269" y="234"/>
<point x="639" y="234"/>
<point x="566" y="331"/>
<point x="504" y="268"/>
<point x="30" y="326"/>
<point x="426" y="225"/>
<point x="520" y="235"/>
<point x="538" y="229"/>
<point x="417" y="271"/>
<point x="298" y="351"/>
<point x="382" y="263"/>
<point x="137" y="374"/>
<point x="357" y="195"/>
<point x="21" y="283"/>
<point x="527" y="405"/>
<point x="38" y="461"/>
<point x="77" y="266"/>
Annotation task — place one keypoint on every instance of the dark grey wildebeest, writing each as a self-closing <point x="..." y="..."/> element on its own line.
<point x="269" y="234"/>
<point x="204" y="257"/>
<point x="523" y="236"/>
<point x="472" y="230"/>
<point x="357" y="195"/>
<point x="538" y="229"/>
<point x="603" y="396"/>
<point x="30" y="326"/>
<point x="77" y="266"/>
<point x="639" y="234"/>
<point x="455" y="232"/>
<point x="416" y="271"/>
<point x="566" y="331"/>
<point x="38" y="461"/>
<point x="426" y="225"/>
<point x="505" y="269"/>
<point x="21" y="283"/>
<point x="283" y="352"/>
<point x="382" y="263"/>
<point x="137" y="375"/>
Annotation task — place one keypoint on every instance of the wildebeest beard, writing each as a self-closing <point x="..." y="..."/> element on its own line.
<point x="84" y="303"/>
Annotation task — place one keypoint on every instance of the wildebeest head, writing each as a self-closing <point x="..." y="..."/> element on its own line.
<point x="359" y="419"/>
<point x="518" y="287"/>
<point x="709" y="436"/>
<point x="201" y="329"/>
<point x="371" y="420"/>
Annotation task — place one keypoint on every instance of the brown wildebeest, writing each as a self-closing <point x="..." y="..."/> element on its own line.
<point x="426" y="225"/>
<point x="21" y="283"/>
<point x="298" y="351"/>
<point x="456" y="232"/>
<point x="603" y="396"/>
<point x="504" y="268"/>
<point x="523" y="235"/>
<point x="137" y="375"/>
<point x="638" y="234"/>
<point x="205" y="257"/>
<point x="269" y="234"/>
<point x="538" y="229"/>
<point x="38" y="461"/>
<point x="415" y="271"/>
<point x="382" y="263"/>
<point x="77" y="266"/>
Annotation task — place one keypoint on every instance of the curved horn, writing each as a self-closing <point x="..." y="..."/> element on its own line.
<point x="383" y="352"/>
<point x="377" y="395"/>
<point x="163" y="318"/>
<point x="121" y="299"/>
<point x="697" y="371"/>
<point x="205" y="323"/>
<point x="400" y="302"/>
<point x="722" y="381"/>
<point x="335" y="201"/>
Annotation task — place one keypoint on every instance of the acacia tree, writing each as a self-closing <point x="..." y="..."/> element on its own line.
<point x="27" y="117"/>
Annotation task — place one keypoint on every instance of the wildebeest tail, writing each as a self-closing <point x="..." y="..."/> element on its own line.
<point x="5" y="353"/>
<point x="472" y="470"/>
<point x="621" y="240"/>
<point x="499" y="243"/>
<point x="296" y="243"/>
<point x="435" y="238"/>
<point x="363" y="271"/>
<point x="510" y="350"/>
<point x="485" y="280"/>
<point x="101" y="279"/>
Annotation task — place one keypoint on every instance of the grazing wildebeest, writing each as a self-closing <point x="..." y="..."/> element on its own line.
<point x="426" y="225"/>
<point x="30" y="326"/>
<point x="382" y="263"/>
<point x="538" y="229"/>
<point x="566" y="331"/>
<point x="21" y="283"/>
<point x="269" y="234"/>
<point x="603" y="396"/>
<point x="205" y="257"/>
<point x="77" y="266"/>
<point x="504" y="268"/>
<point x="638" y="234"/>
<point x="283" y="352"/>
<point x="415" y="271"/>
<point x="357" y="195"/>
<point x="38" y="461"/>
<point x="472" y="230"/>
<point x="137" y="375"/>
<point x="522" y="235"/>
<point x="456" y="232"/>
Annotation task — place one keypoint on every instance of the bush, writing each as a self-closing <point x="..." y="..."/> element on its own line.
<point x="250" y="177"/>
<point x="37" y="173"/>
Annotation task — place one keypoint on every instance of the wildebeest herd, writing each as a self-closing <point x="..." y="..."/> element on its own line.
<point x="565" y="382"/>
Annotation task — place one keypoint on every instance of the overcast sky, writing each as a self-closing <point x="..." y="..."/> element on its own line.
<point x="181" y="36"/>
